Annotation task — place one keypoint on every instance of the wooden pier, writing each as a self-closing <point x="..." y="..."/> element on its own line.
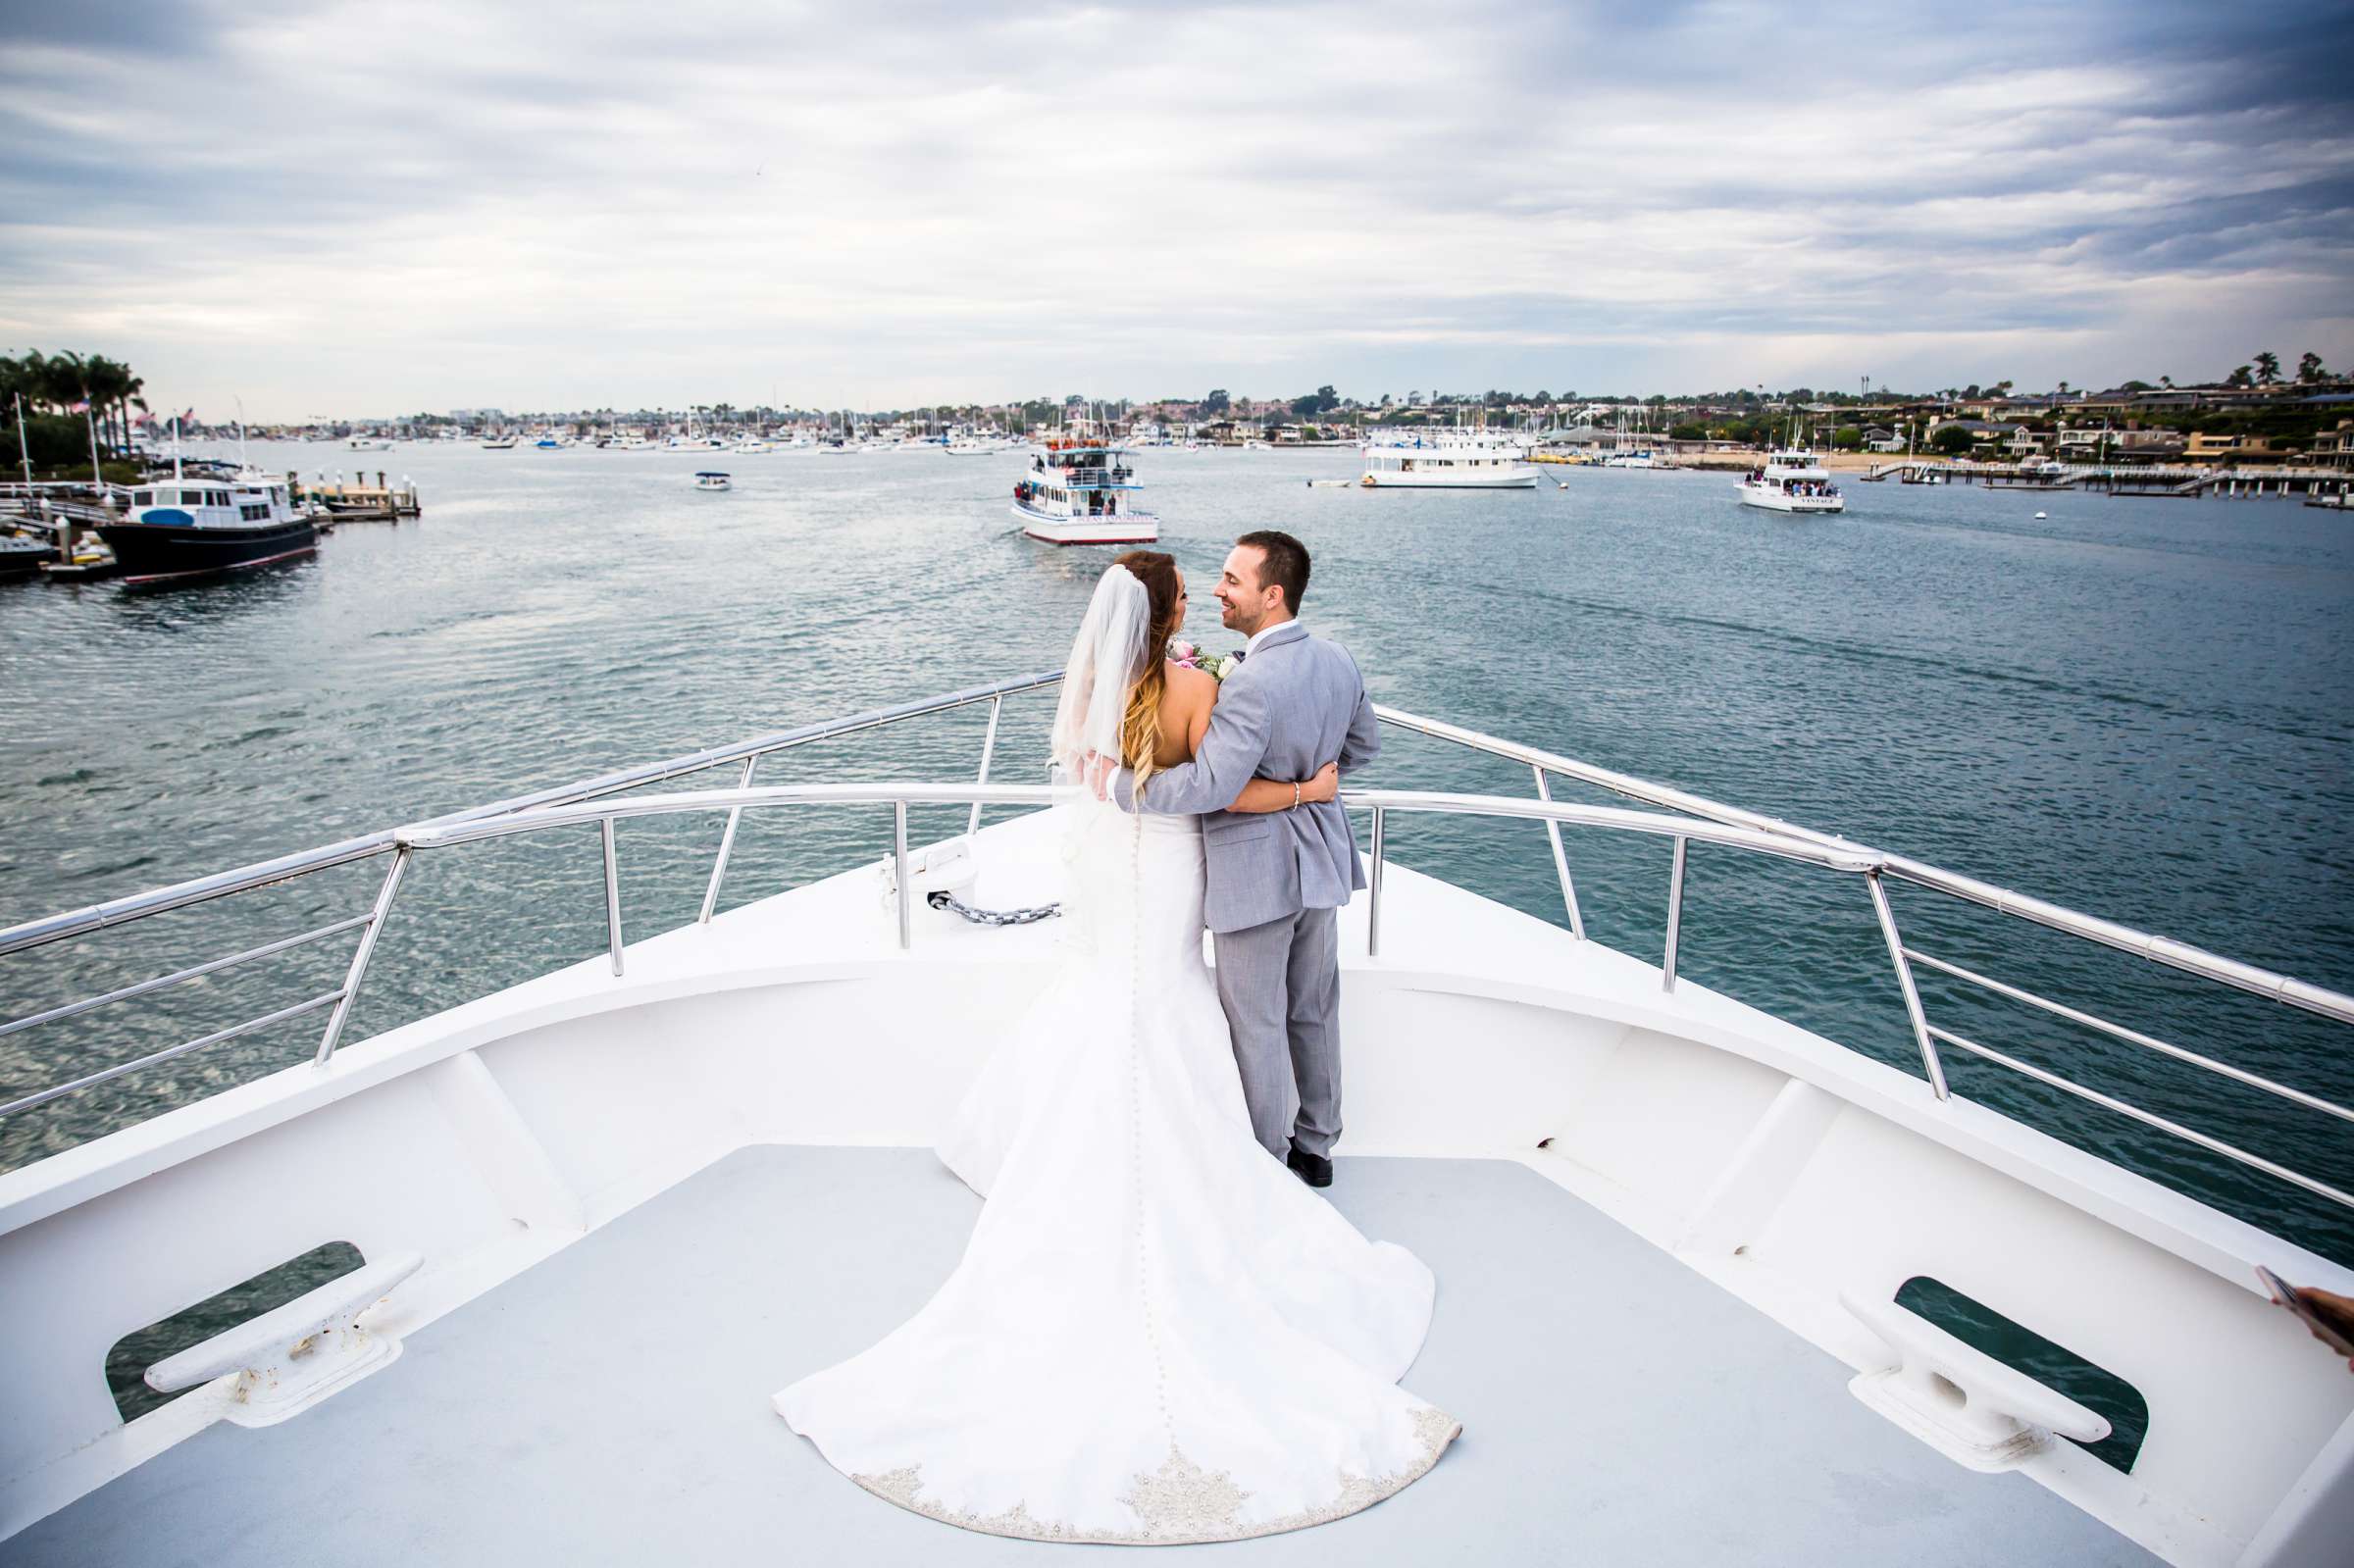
<point x="2125" y="478"/>
<point x="361" y="503"/>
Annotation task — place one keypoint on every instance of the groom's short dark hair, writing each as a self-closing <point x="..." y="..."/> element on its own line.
<point x="1285" y="566"/>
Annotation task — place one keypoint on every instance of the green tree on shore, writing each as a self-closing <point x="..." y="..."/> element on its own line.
<point x="2309" y="368"/>
<point x="55" y="383"/>
<point x="2268" y="368"/>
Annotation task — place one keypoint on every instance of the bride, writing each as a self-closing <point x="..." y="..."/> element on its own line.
<point x="1157" y="1334"/>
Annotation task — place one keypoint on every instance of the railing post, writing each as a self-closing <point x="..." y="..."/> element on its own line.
<point x="612" y="894"/>
<point x="1374" y="900"/>
<point x="1675" y="915"/>
<point x="898" y="869"/>
<point x="360" y="956"/>
<point x="1561" y="860"/>
<point x="1904" y="982"/>
<point x="727" y="842"/>
<point x="989" y="747"/>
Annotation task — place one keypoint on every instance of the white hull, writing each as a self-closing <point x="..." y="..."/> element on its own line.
<point x="1506" y="478"/>
<point x="1769" y="499"/>
<point x="1749" y="1158"/>
<point x="1140" y="528"/>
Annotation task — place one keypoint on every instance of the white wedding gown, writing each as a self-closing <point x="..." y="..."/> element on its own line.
<point x="1158" y="1333"/>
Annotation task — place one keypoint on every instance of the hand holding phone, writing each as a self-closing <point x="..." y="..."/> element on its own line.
<point x="2327" y="1316"/>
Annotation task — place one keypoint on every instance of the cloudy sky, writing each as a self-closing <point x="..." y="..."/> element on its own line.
<point x="378" y="208"/>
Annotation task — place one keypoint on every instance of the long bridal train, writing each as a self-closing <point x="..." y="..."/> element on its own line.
<point x="1157" y="1334"/>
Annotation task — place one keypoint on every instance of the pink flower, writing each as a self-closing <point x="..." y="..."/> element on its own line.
<point x="1184" y="652"/>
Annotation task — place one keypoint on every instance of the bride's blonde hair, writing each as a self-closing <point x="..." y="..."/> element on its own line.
<point x="1140" y="725"/>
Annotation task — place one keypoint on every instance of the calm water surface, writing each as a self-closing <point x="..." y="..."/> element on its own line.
<point x="2138" y="708"/>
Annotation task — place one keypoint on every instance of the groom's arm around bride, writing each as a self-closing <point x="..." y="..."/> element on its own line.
<point x="1294" y="703"/>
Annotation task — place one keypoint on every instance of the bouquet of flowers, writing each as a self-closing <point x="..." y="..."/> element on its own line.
<point x="1219" y="665"/>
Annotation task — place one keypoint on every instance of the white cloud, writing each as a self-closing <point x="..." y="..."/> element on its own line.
<point x="370" y="209"/>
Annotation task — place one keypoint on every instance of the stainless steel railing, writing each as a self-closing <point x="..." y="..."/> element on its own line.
<point x="288" y="868"/>
<point x="1928" y="1036"/>
<point x="1702" y="820"/>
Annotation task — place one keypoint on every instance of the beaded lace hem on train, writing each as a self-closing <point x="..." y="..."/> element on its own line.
<point x="1156" y="1335"/>
<point x="1179" y="1504"/>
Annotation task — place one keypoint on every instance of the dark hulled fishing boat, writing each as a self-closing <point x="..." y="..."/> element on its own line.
<point x="199" y="527"/>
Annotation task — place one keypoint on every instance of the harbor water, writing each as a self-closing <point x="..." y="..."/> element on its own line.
<point x="2135" y="707"/>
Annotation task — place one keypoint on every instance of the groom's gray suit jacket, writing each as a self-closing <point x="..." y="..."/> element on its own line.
<point x="1296" y="703"/>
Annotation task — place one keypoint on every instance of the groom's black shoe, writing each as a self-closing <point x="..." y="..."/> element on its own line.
<point x="1313" y="1169"/>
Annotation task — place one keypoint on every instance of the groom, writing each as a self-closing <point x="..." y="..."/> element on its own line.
<point x="1276" y="882"/>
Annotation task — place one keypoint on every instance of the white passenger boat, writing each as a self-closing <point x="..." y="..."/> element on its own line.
<point x="750" y="446"/>
<point x="1446" y="461"/>
<point x="498" y="444"/>
<point x="610" y="1209"/>
<point x="712" y="480"/>
<point x="1792" y="479"/>
<point x="1081" y="490"/>
<point x="369" y="444"/>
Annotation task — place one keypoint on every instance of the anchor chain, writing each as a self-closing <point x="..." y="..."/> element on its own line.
<point x="992" y="916"/>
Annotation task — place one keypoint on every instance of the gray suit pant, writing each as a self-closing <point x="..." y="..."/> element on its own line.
<point x="1280" y="984"/>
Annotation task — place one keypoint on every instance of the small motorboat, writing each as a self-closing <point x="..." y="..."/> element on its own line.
<point x="712" y="480"/>
<point x="2041" y="516"/>
<point x="21" y="554"/>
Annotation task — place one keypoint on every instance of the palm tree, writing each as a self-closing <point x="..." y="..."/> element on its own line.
<point x="106" y="382"/>
<point x="64" y="381"/>
<point x="2268" y="368"/>
<point x="30" y="380"/>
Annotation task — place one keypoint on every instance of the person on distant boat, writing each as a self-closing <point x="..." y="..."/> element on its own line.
<point x="1156" y="1335"/>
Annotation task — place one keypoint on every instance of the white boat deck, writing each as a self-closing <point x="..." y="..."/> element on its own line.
<point x="611" y="1404"/>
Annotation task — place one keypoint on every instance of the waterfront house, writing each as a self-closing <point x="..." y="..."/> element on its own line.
<point x="2335" y="448"/>
<point x="2234" y="448"/>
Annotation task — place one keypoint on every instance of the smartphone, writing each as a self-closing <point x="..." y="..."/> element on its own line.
<point x="2286" y="1294"/>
